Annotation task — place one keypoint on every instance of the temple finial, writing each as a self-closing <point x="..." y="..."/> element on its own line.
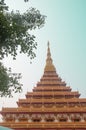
<point x="49" y="62"/>
<point x="48" y="44"/>
<point x="48" y="54"/>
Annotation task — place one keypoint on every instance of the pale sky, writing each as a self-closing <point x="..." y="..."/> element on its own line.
<point x="65" y="28"/>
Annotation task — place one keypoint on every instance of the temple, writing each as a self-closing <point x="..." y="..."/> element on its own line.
<point x="52" y="105"/>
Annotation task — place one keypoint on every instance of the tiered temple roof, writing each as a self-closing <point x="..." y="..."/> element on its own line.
<point x="52" y="105"/>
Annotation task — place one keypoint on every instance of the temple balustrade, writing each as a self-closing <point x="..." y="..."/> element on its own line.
<point x="51" y="83"/>
<point x="54" y="88"/>
<point x="53" y="100"/>
<point x="45" y="108"/>
<point x="65" y="104"/>
<point x="52" y="93"/>
<point x="36" y="105"/>
<point x="47" y="125"/>
<point x="62" y="117"/>
<point x="50" y="73"/>
<point x="51" y="78"/>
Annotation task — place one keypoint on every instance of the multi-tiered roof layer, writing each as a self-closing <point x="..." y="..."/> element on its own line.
<point x="50" y="106"/>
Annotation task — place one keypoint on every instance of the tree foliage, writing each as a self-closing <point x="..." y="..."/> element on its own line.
<point x="15" y="37"/>
<point x="9" y="82"/>
<point x="15" y="32"/>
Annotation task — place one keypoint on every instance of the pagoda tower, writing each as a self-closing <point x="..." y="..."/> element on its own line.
<point x="52" y="105"/>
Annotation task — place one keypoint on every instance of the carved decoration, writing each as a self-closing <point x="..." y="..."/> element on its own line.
<point x="37" y="105"/>
<point x="75" y="117"/>
<point x="48" y="105"/>
<point x="23" y="117"/>
<point x="62" y="117"/>
<point x="84" y="117"/>
<point x="36" y="117"/>
<point x="10" y="117"/>
<point x="49" y="117"/>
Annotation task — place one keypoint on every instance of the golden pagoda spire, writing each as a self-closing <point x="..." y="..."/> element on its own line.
<point x="49" y="59"/>
<point x="49" y="62"/>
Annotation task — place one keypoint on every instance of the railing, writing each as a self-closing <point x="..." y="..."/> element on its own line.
<point x="44" y="109"/>
<point x="62" y="100"/>
<point x="52" y="92"/>
<point x="66" y="125"/>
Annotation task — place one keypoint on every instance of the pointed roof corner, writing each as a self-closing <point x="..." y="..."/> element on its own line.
<point x="49" y="62"/>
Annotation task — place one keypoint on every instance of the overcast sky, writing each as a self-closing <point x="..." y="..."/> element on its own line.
<point x="65" y="28"/>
